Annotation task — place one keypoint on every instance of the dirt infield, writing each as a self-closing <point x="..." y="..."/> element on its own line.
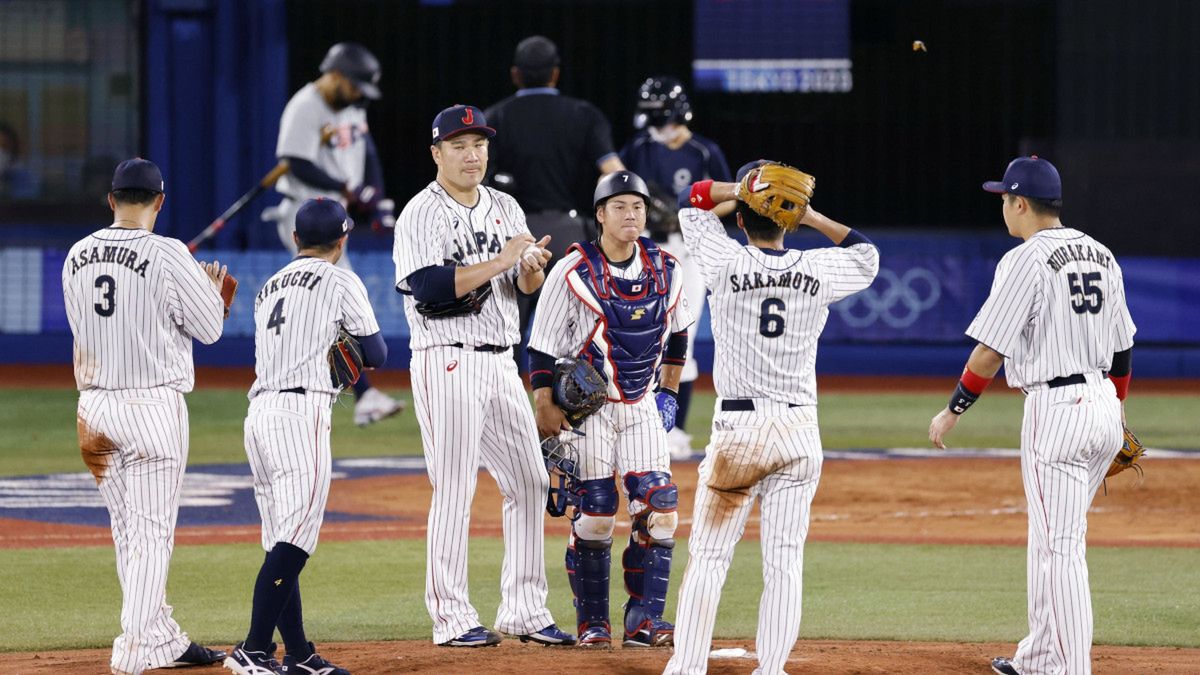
<point x="828" y="657"/>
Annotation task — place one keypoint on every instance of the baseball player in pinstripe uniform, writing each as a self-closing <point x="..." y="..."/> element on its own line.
<point x="134" y="301"/>
<point x="769" y="305"/>
<point x="462" y="254"/>
<point x="1056" y="319"/>
<point x="297" y="316"/>
<point x="618" y="303"/>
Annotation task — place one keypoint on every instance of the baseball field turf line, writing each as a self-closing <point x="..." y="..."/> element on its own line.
<point x="40" y="426"/>
<point x="68" y="598"/>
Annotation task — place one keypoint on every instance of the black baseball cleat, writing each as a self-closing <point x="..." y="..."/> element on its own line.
<point x="315" y="664"/>
<point x="197" y="655"/>
<point x="476" y="637"/>
<point x="1003" y="666"/>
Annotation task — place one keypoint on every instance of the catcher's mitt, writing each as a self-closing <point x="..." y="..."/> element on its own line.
<point x="345" y="360"/>
<point x="778" y="192"/>
<point x="229" y="288"/>
<point x="579" y="389"/>
<point x="1131" y="451"/>
<point x="471" y="303"/>
<point x="562" y="461"/>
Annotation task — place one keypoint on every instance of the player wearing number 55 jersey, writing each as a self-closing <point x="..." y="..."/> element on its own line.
<point x="1056" y="318"/>
<point x="768" y="305"/>
<point x="297" y="315"/>
<point x="135" y="301"/>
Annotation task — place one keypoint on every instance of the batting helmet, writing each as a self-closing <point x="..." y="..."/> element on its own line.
<point x="661" y="100"/>
<point x="620" y="183"/>
<point x="357" y="63"/>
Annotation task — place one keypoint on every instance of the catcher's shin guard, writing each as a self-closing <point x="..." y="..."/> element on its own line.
<point x="653" y="500"/>
<point x="589" y="557"/>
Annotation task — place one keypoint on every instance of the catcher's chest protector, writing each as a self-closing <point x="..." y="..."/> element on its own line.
<point x="628" y="341"/>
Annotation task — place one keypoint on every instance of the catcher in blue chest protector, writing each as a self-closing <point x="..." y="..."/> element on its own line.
<point x="615" y="306"/>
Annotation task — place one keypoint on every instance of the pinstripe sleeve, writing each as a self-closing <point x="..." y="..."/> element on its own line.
<point x="196" y="302"/>
<point x="358" y="318"/>
<point x="1009" y="305"/>
<point x="706" y="241"/>
<point x="1123" y="326"/>
<point x="846" y="271"/>
<point x="681" y="316"/>
<point x="556" y="320"/>
<point x="420" y="237"/>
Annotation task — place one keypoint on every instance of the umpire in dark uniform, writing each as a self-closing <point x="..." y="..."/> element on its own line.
<point x="548" y="152"/>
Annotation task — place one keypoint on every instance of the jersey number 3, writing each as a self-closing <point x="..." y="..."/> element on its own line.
<point x="276" y="319"/>
<point x="1086" y="294"/>
<point x="108" y="292"/>
<point x="770" y="322"/>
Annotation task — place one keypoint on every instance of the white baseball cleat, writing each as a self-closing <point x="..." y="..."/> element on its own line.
<point x="375" y="405"/>
<point x="680" y="443"/>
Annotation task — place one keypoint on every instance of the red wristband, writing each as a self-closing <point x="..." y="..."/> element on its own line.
<point x="701" y="197"/>
<point x="1122" y="384"/>
<point x="974" y="383"/>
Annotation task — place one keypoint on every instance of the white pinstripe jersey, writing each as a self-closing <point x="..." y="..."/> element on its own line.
<point x="768" y="310"/>
<point x="433" y="229"/>
<point x="296" y="318"/>
<point x="1057" y="308"/>
<point x="564" y="322"/>
<point x="134" y="301"/>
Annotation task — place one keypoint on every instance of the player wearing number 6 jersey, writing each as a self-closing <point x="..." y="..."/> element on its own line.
<point x="135" y="301"/>
<point x="1056" y="318"/>
<point x="768" y="305"/>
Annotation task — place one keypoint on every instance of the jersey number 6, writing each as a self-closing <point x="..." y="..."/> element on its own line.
<point x="770" y="322"/>
<point x="1086" y="296"/>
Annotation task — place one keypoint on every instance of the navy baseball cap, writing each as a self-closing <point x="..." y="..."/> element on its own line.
<point x="748" y="167"/>
<point x="458" y="119"/>
<point x="322" y="221"/>
<point x="1031" y="177"/>
<point x="139" y="174"/>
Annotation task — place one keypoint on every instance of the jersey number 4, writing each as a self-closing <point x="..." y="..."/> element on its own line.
<point x="276" y="319"/>
<point x="1086" y="294"/>
<point x="770" y="321"/>
<point x="108" y="292"/>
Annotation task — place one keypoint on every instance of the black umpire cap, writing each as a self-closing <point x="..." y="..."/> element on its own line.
<point x="357" y="63"/>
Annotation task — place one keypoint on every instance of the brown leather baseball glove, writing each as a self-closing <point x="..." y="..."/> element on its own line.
<point x="778" y="192"/>
<point x="229" y="288"/>
<point x="1131" y="451"/>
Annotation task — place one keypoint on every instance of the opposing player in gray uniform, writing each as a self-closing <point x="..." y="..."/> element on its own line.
<point x="135" y="301"/>
<point x="619" y="304"/>
<point x="462" y="254"/>
<point x="323" y="135"/>
<point x="769" y="305"/>
<point x="1056" y="319"/>
<point x="297" y="315"/>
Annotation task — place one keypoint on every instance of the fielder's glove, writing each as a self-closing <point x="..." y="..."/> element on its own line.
<point x="579" y="389"/>
<point x="229" y="288"/>
<point x="469" y="304"/>
<point x="1131" y="451"/>
<point x="778" y="192"/>
<point x="668" y="406"/>
<point x="345" y="360"/>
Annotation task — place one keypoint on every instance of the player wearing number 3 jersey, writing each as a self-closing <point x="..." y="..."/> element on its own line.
<point x="768" y="305"/>
<point x="1056" y="318"/>
<point x="135" y="300"/>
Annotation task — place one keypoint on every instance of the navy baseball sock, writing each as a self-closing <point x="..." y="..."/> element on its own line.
<point x="361" y="387"/>
<point x="276" y="580"/>
<point x="291" y="627"/>
<point x="684" y="399"/>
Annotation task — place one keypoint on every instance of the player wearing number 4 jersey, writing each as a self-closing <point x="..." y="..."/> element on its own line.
<point x="768" y="307"/>
<point x="1056" y="318"/>
<point x="297" y="316"/>
<point x="135" y="301"/>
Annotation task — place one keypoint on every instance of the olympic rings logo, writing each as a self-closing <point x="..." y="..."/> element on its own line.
<point x="898" y="301"/>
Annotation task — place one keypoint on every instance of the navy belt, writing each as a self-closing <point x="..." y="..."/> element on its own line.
<point x="294" y="390"/>
<point x="744" y="404"/>
<point x="1066" y="381"/>
<point x="494" y="349"/>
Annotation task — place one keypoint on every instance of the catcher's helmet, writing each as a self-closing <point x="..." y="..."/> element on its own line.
<point x="357" y="63"/>
<point x="620" y="183"/>
<point x="661" y="100"/>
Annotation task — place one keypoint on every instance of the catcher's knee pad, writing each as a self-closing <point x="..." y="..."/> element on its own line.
<point x="596" y="501"/>
<point x="653" y="505"/>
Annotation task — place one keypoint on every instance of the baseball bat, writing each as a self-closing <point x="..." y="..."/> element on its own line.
<point x="216" y="225"/>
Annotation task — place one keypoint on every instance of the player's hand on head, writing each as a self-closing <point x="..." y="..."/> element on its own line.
<point x="940" y="425"/>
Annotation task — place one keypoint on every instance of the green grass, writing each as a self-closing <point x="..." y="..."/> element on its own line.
<point x="39" y="425"/>
<point x="68" y="597"/>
